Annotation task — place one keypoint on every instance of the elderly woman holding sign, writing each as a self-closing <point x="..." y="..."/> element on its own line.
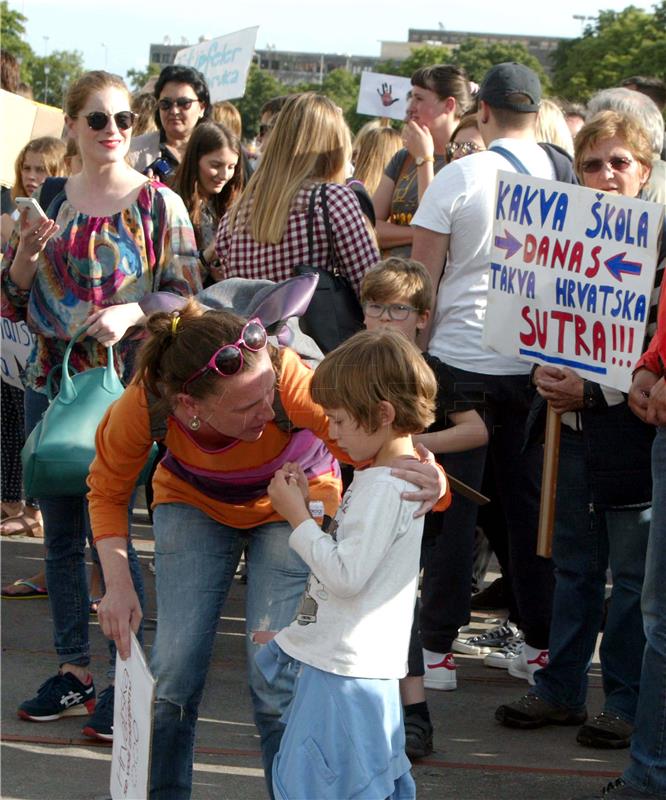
<point x="603" y="490"/>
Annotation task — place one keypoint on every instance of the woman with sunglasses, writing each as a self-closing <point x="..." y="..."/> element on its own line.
<point x="183" y="101"/>
<point x="110" y="238"/>
<point x="439" y="97"/>
<point x="603" y="489"/>
<point x="219" y="382"/>
<point x="466" y="139"/>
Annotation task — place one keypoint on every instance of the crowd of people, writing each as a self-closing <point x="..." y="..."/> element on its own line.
<point x="325" y="463"/>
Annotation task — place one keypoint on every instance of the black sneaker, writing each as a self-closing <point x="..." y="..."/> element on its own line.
<point x="63" y="695"/>
<point x="418" y="736"/>
<point x="100" y="725"/>
<point x="533" y="712"/>
<point x="618" y="790"/>
<point x="606" y="731"/>
<point x="483" y="643"/>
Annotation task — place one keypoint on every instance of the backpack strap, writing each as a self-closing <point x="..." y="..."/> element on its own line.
<point x="515" y="162"/>
<point x="51" y="189"/>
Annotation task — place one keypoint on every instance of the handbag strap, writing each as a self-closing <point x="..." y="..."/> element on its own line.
<point x="67" y="391"/>
<point x="329" y="230"/>
<point x="310" y="225"/>
<point x="515" y="162"/>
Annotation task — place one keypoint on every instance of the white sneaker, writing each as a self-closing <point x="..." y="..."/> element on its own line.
<point x="440" y="671"/>
<point x="505" y="655"/>
<point x="528" y="662"/>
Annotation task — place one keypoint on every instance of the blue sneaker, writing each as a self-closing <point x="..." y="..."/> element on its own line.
<point x="100" y="725"/>
<point x="63" y="695"/>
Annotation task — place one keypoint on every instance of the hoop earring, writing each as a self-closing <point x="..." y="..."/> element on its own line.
<point x="194" y="423"/>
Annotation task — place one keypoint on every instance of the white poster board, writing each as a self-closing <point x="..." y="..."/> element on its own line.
<point x="570" y="277"/>
<point x="15" y="345"/>
<point x="383" y="95"/>
<point x="132" y="726"/>
<point x="224" y="62"/>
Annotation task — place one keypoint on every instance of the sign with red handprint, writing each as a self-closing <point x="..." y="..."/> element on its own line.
<point x="383" y="95"/>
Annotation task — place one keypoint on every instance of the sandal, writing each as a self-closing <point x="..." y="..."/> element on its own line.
<point x="34" y="591"/>
<point x="8" y="510"/>
<point x="26" y="527"/>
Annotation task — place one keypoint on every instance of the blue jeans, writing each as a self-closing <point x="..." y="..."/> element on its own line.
<point x="585" y="541"/>
<point x="195" y="561"/>
<point x="66" y="530"/>
<point x="647" y="770"/>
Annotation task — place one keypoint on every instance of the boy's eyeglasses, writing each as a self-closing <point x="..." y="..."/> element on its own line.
<point x="616" y="163"/>
<point x="98" y="120"/>
<point x="398" y="312"/>
<point x="166" y="103"/>
<point x="464" y="148"/>
<point x="228" y="360"/>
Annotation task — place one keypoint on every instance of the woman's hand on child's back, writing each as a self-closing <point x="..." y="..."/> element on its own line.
<point x="428" y="475"/>
<point x="286" y="494"/>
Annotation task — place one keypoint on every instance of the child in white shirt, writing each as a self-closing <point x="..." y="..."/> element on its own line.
<point x="344" y="736"/>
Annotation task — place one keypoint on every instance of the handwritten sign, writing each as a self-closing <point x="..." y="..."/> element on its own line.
<point x="132" y="726"/>
<point x="570" y="277"/>
<point x="17" y="343"/>
<point x="383" y="95"/>
<point x="224" y="62"/>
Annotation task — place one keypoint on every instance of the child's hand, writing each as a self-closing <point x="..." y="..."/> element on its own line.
<point x="287" y="499"/>
<point x="294" y="471"/>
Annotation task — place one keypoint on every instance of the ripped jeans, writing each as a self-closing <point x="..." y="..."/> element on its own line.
<point x="195" y="561"/>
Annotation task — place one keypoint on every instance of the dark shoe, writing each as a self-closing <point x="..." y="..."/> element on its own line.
<point x="418" y="736"/>
<point x="63" y="695"/>
<point x="491" y="597"/>
<point x="606" y="731"/>
<point x="533" y="712"/>
<point x="100" y="725"/>
<point x="618" y="790"/>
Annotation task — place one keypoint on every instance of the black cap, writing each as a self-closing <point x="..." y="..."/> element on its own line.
<point x="503" y="80"/>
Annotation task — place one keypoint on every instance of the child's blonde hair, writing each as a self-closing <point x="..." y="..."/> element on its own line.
<point x="398" y="277"/>
<point x="374" y="366"/>
<point x="51" y="150"/>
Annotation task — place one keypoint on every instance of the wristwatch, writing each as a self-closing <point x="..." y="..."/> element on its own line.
<point x="421" y="160"/>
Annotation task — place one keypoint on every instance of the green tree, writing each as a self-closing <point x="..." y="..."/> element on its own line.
<point x="50" y="76"/>
<point x="12" y="36"/>
<point x="138" y="78"/>
<point x="616" y="45"/>
<point x="261" y="86"/>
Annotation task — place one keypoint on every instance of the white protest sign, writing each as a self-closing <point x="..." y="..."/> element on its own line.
<point x="17" y="342"/>
<point x="383" y="95"/>
<point x="570" y="277"/>
<point x="132" y="726"/>
<point x="224" y="62"/>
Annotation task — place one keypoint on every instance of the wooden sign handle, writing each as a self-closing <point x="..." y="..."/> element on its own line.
<point x="551" y="457"/>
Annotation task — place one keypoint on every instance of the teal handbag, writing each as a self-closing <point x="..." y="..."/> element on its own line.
<point x="57" y="455"/>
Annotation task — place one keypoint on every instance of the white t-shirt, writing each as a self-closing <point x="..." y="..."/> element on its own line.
<point x="460" y="202"/>
<point x="356" y="614"/>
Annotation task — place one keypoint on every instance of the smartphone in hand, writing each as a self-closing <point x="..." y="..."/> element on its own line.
<point x="35" y="211"/>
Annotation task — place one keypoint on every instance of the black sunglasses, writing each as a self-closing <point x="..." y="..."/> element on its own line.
<point x="98" y="120"/>
<point x="166" y="103"/>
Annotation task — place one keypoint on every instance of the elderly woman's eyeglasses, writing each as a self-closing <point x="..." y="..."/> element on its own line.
<point x="398" y="312"/>
<point x="616" y="163"/>
<point x="228" y="360"/>
<point x="166" y="103"/>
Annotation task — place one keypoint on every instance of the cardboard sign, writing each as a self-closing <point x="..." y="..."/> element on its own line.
<point x="571" y="274"/>
<point x="383" y="95"/>
<point x="17" y="343"/>
<point x="224" y="62"/>
<point x="132" y="726"/>
<point x="29" y="120"/>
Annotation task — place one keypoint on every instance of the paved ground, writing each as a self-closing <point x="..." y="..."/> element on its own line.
<point x="475" y="758"/>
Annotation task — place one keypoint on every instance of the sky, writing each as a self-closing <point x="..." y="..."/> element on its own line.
<point x="116" y="35"/>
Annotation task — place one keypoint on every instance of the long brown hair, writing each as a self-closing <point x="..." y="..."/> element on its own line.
<point x="206" y="138"/>
<point x="51" y="150"/>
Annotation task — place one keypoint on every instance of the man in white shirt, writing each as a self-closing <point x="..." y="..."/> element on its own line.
<point x="453" y="237"/>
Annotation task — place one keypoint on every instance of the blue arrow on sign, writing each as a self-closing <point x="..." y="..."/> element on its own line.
<point x="508" y="243"/>
<point x="617" y="265"/>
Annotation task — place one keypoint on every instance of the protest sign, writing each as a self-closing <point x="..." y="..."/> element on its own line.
<point x="571" y="274"/>
<point x="17" y="342"/>
<point x="132" y="726"/>
<point x="29" y="120"/>
<point x="224" y="62"/>
<point x="383" y="95"/>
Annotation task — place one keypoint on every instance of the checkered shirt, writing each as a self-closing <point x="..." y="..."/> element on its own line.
<point x="242" y="257"/>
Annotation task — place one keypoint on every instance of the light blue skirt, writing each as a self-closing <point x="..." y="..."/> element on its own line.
<point x="344" y="739"/>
